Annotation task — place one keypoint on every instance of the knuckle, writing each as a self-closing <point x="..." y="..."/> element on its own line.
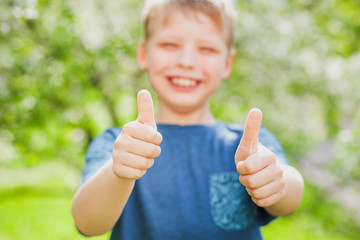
<point x="251" y="182"/>
<point x="241" y="180"/>
<point x="282" y="185"/>
<point x="138" y="174"/>
<point x="128" y="173"/>
<point x="115" y="155"/>
<point x="115" y="167"/>
<point x="249" y="191"/>
<point x="153" y="151"/>
<point x="119" y="143"/>
<point x="256" y="201"/>
<point x="118" y="171"/>
<point x="150" y="151"/>
<point x="128" y="127"/>
<point x="146" y="163"/>
<point x="256" y="194"/>
<point x="160" y="138"/>
<point x="152" y="136"/>
<point x="142" y="165"/>
<point x="158" y="151"/>
<point x="122" y="140"/>
<point x="150" y="163"/>
<point x="272" y="158"/>
<point x="261" y="202"/>
<point x="279" y="173"/>
<point x="247" y="167"/>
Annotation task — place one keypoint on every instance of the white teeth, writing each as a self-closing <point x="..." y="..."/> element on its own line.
<point x="183" y="82"/>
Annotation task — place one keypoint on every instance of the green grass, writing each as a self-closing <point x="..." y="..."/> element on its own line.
<point x="35" y="203"/>
<point x="41" y="210"/>
<point x="28" y="213"/>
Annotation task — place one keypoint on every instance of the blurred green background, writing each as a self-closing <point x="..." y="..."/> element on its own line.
<point x="68" y="71"/>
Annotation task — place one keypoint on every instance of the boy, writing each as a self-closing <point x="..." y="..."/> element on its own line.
<point x="193" y="189"/>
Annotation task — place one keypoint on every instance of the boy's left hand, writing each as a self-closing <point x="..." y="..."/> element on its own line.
<point x="259" y="171"/>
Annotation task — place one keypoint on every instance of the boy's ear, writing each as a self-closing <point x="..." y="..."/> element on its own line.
<point x="142" y="55"/>
<point x="229" y="64"/>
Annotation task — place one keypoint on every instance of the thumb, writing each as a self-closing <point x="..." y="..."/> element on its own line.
<point x="249" y="141"/>
<point x="145" y="108"/>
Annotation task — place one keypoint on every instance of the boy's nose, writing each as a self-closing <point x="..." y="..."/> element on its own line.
<point x="186" y="57"/>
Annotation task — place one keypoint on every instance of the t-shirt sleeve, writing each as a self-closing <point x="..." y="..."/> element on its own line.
<point x="99" y="152"/>
<point x="268" y="139"/>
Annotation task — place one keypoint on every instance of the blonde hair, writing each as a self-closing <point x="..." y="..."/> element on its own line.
<point x="222" y="12"/>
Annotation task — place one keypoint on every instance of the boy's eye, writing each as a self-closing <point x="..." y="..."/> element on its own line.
<point x="208" y="50"/>
<point x="169" y="45"/>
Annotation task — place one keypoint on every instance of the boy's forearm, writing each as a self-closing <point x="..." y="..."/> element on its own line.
<point x="98" y="203"/>
<point x="294" y="188"/>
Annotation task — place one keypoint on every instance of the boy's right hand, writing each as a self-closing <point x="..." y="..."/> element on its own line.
<point x="138" y="144"/>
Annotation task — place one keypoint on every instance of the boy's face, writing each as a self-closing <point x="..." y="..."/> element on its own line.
<point x="186" y="59"/>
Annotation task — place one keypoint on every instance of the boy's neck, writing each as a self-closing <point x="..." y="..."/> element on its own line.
<point x="201" y="116"/>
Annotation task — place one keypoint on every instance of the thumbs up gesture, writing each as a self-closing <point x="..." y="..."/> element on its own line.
<point x="138" y="144"/>
<point x="259" y="172"/>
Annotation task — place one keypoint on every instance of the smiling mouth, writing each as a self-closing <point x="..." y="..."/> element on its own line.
<point x="184" y="82"/>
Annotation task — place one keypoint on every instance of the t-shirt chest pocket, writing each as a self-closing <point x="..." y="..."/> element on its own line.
<point x="231" y="207"/>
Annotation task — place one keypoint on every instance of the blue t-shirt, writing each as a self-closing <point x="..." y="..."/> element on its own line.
<point x="193" y="189"/>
